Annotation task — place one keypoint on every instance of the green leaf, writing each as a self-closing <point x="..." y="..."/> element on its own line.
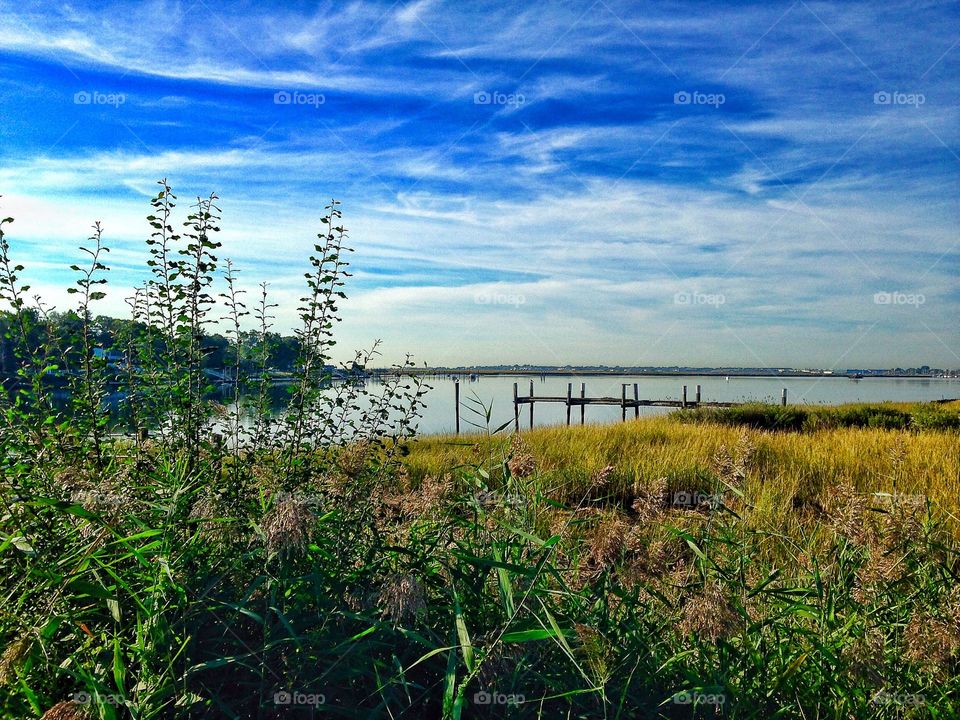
<point x="521" y="636"/>
<point x="23" y="545"/>
<point x="466" y="647"/>
<point x="82" y="587"/>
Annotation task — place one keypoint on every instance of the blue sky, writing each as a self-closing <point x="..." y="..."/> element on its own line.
<point x="770" y="183"/>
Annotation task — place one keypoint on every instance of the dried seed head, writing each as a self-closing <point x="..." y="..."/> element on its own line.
<point x="215" y="519"/>
<point x="72" y="480"/>
<point x="898" y="454"/>
<point x="13" y="656"/>
<point x="401" y="598"/>
<point x="423" y="502"/>
<point x="848" y="513"/>
<point x="710" y="616"/>
<point x="67" y="710"/>
<point x="904" y="524"/>
<point x="600" y="480"/>
<point x="606" y="542"/>
<point x="596" y="649"/>
<point x="654" y="559"/>
<point x="288" y="527"/>
<point x="731" y="467"/>
<point x="353" y="459"/>
<point x="650" y="504"/>
<point x="881" y="568"/>
<point x="521" y="462"/>
<point x="931" y="642"/>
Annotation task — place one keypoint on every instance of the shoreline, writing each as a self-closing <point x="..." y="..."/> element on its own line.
<point x="466" y="372"/>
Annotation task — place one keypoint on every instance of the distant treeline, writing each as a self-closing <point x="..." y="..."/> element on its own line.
<point x="61" y="331"/>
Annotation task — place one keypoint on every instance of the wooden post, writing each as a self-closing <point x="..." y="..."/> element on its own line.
<point x="583" y="405"/>
<point x="623" y="401"/>
<point x="456" y="402"/>
<point x="684" y="401"/>
<point x="698" y="394"/>
<point x="783" y="397"/>
<point x="531" y="404"/>
<point x="516" y="410"/>
<point x="636" y="401"/>
<point x="569" y="397"/>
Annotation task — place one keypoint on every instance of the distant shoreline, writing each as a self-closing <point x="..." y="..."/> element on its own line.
<point x="635" y="372"/>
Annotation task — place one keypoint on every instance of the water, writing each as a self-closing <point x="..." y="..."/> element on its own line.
<point x="438" y="415"/>
<point x="496" y="393"/>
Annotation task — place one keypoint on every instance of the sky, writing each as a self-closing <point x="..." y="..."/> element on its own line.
<point x="589" y="182"/>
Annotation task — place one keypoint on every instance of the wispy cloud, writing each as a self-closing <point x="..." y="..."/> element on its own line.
<point x="563" y="172"/>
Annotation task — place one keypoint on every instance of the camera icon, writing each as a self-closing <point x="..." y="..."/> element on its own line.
<point x="282" y="98"/>
<point x="882" y="298"/>
<point x="282" y="697"/>
<point x="682" y="98"/>
<point x="882" y="98"/>
<point x="482" y="98"/>
<point x="486" y="497"/>
<point x="683" y="698"/>
<point x="682" y="298"/>
<point x="482" y="298"/>
<point x="682" y="499"/>
<point x="82" y="98"/>
<point x="82" y="698"/>
<point x="482" y="698"/>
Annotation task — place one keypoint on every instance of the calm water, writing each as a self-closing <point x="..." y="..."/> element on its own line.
<point x="438" y="416"/>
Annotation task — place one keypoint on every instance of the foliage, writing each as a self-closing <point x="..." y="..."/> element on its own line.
<point x="890" y="416"/>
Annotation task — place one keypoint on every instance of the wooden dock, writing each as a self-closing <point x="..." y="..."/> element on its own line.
<point x="625" y="402"/>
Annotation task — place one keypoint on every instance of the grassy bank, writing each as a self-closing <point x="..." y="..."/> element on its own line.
<point x="794" y="466"/>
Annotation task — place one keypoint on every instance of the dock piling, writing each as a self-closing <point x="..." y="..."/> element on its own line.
<point x="531" y="404"/>
<point x="456" y="402"/>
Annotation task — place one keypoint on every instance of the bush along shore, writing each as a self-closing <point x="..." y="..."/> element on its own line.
<point x="325" y="563"/>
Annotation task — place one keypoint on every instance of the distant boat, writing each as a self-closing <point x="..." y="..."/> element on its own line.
<point x="856" y="376"/>
<point x="726" y="379"/>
